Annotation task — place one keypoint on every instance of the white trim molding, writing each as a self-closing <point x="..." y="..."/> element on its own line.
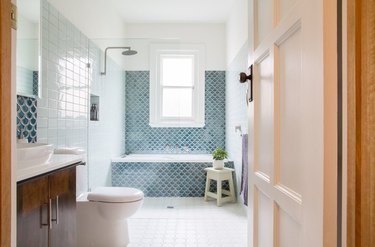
<point x="197" y="53"/>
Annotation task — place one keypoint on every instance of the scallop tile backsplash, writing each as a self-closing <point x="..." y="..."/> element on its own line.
<point x="141" y="138"/>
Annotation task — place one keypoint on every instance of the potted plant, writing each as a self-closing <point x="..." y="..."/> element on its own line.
<point x="219" y="155"/>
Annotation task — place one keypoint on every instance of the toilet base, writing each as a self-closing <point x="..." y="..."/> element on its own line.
<point x="95" y="231"/>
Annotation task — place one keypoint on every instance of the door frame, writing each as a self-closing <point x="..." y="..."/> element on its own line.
<point x="360" y="129"/>
<point x="5" y="124"/>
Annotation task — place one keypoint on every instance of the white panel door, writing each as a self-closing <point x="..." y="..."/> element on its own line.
<point x="286" y="123"/>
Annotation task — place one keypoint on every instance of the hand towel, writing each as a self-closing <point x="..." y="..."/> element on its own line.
<point x="245" y="168"/>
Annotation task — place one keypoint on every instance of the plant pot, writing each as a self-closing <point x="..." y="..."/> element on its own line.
<point x="218" y="164"/>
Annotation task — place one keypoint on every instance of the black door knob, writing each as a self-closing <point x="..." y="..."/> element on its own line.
<point x="244" y="77"/>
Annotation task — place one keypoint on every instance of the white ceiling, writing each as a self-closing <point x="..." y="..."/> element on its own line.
<point x="108" y="18"/>
<point x="172" y="11"/>
<point x="107" y="21"/>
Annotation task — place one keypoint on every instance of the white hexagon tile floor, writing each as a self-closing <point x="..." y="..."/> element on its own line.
<point x="191" y="222"/>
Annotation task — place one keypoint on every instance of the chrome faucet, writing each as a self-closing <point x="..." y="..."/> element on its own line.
<point x="185" y="149"/>
<point x="20" y="130"/>
<point x="167" y="149"/>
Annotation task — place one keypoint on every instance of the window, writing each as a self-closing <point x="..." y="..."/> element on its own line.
<point x="177" y="86"/>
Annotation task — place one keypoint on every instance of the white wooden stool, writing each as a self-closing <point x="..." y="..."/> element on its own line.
<point x="219" y="176"/>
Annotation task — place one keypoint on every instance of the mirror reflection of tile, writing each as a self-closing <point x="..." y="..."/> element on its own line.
<point x="27" y="117"/>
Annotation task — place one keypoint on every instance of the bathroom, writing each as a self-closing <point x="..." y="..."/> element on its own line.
<point x="78" y="123"/>
<point x="94" y="95"/>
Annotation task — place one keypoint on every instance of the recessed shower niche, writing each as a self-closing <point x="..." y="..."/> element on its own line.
<point x="94" y="107"/>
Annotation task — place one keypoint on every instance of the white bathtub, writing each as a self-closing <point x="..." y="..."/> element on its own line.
<point x="197" y="158"/>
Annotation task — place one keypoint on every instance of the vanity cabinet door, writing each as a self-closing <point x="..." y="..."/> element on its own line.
<point x="62" y="188"/>
<point x="32" y="213"/>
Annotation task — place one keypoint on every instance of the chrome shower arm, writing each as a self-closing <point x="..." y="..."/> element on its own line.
<point x="105" y="56"/>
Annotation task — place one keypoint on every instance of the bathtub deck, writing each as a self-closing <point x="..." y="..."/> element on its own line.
<point x="191" y="222"/>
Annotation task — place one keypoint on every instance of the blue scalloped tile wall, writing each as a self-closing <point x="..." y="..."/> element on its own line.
<point x="164" y="179"/>
<point x="26" y="117"/>
<point x="35" y="82"/>
<point x="141" y="138"/>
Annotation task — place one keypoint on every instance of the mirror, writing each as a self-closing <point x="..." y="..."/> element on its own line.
<point x="28" y="48"/>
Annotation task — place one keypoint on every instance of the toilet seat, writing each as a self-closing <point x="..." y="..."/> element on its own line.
<point x="115" y="194"/>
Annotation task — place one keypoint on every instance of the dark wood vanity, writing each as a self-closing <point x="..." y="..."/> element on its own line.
<point x="46" y="209"/>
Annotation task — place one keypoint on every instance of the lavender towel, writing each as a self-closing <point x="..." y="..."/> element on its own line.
<point x="245" y="167"/>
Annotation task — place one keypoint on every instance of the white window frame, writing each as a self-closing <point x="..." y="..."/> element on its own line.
<point x="157" y="51"/>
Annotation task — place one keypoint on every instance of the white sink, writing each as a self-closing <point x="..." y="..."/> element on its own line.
<point x="33" y="154"/>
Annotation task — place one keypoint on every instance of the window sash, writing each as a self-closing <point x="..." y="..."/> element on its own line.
<point x="197" y="53"/>
<point x="171" y="56"/>
<point x="162" y="86"/>
<point x="193" y="104"/>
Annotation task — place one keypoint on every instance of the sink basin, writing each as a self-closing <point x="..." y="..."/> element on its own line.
<point x="33" y="154"/>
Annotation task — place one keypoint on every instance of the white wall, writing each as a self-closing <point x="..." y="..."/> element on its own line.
<point x="27" y="44"/>
<point x="236" y="110"/>
<point x="140" y="36"/>
<point x="236" y="29"/>
<point x="63" y="110"/>
<point x="106" y="136"/>
<point x="235" y="104"/>
<point x="96" y="19"/>
<point x="63" y="107"/>
<point x="27" y="29"/>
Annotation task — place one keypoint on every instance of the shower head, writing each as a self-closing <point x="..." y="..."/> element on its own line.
<point x="128" y="52"/>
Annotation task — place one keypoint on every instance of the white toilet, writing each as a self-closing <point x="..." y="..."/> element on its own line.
<point x="102" y="216"/>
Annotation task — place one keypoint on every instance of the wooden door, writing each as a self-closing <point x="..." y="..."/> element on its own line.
<point x="361" y="123"/>
<point x="63" y="204"/>
<point x="5" y="124"/>
<point x="32" y="213"/>
<point x="286" y="123"/>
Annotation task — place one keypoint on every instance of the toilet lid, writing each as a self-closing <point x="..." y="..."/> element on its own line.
<point x="115" y="194"/>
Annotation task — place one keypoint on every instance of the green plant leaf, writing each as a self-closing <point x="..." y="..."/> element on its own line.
<point x="219" y="154"/>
